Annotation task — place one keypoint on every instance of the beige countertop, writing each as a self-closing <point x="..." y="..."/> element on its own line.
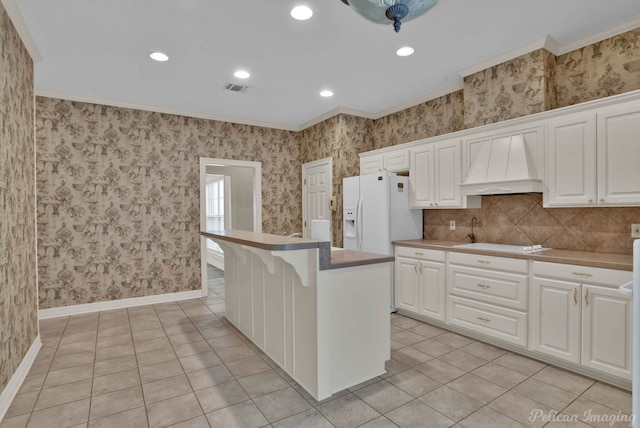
<point x="328" y="259"/>
<point x="582" y="258"/>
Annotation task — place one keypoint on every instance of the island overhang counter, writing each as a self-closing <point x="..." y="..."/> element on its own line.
<point x="321" y="315"/>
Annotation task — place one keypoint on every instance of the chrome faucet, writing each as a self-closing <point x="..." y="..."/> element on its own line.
<point x="472" y="236"/>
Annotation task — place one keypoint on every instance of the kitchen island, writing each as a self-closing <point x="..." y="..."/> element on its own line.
<point x="321" y="315"/>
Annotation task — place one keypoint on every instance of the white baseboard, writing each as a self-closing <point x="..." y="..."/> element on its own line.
<point x="86" y="308"/>
<point x="9" y="392"/>
<point x="215" y="259"/>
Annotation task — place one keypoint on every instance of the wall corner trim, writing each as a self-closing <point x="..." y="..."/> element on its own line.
<point x="12" y="388"/>
<point x="21" y="27"/>
<point x="86" y="308"/>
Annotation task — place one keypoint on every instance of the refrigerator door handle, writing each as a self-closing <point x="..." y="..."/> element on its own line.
<point x="356" y="224"/>
<point x="360" y="228"/>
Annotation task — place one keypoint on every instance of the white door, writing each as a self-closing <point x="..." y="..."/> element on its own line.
<point x="448" y="173"/>
<point x="421" y="177"/>
<point x="317" y="183"/>
<point x="432" y="289"/>
<point x="374" y="214"/>
<point x="407" y="286"/>
<point x="555" y="318"/>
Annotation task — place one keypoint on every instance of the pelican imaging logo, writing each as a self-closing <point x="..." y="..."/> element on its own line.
<point x="589" y="416"/>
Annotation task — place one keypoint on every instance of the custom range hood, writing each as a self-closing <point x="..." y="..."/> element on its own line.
<point x="504" y="165"/>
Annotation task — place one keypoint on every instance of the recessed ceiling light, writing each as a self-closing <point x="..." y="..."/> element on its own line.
<point x="326" y="93"/>
<point x="301" y="13"/>
<point x="159" y="56"/>
<point x="241" y="74"/>
<point x="405" y="51"/>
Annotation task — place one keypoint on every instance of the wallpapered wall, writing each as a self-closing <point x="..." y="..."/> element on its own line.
<point x="343" y="138"/>
<point x="118" y="197"/>
<point x="18" y="306"/>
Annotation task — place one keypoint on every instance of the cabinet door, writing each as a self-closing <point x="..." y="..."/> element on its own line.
<point x="448" y="167"/>
<point x="407" y="284"/>
<point x="432" y="292"/>
<point x="618" y="155"/>
<point x="396" y="161"/>
<point x="555" y="318"/>
<point x="606" y="331"/>
<point x="370" y="164"/>
<point x="571" y="161"/>
<point x="421" y="177"/>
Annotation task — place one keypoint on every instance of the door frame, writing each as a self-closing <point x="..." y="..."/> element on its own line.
<point x="257" y="204"/>
<point x="305" y="167"/>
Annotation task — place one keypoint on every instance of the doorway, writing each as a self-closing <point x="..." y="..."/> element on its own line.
<point x="230" y="198"/>
<point x="317" y="191"/>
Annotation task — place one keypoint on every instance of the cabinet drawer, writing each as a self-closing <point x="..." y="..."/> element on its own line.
<point x="420" y="253"/>
<point x="583" y="274"/>
<point x="500" y="288"/>
<point x="501" y="323"/>
<point x="489" y="262"/>
<point x="396" y="161"/>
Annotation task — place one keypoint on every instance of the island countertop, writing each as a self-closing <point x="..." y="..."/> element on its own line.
<point x="328" y="259"/>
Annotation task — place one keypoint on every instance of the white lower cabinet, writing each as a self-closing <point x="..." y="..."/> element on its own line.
<point x="578" y="315"/>
<point x="420" y="279"/>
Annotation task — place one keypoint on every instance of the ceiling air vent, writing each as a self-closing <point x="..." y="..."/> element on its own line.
<point x="235" y="88"/>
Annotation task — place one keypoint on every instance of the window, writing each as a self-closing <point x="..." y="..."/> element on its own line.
<point x="215" y="207"/>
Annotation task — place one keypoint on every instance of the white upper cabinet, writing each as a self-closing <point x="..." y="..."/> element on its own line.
<point x="393" y="161"/>
<point x="422" y="177"/>
<point x="592" y="158"/>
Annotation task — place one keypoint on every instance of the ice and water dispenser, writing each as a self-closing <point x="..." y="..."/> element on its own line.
<point x="349" y="223"/>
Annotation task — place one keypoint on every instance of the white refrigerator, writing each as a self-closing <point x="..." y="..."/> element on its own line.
<point x="376" y="212"/>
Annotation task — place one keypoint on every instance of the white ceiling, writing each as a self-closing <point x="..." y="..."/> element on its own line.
<point x="97" y="50"/>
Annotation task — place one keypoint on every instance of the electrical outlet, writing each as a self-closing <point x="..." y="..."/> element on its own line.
<point x="635" y="230"/>
<point x="452" y="225"/>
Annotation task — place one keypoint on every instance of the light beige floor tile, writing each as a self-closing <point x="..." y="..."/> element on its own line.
<point x="198" y="422"/>
<point x="182" y="338"/>
<point x="262" y="383"/>
<point x="393" y="367"/>
<point x="173" y="410"/>
<point x="477" y="388"/>
<point x="450" y="403"/>
<point x="243" y="415"/>
<point x="453" y="339"/>
<point x="365" y="384"/>
<point x="404" y="322"/>
<point x="427" y="331"/>
<point x="610" y="396"/>
<point x="119" y="339"/>
<point x="315" y="403"/>
<point x="565" y="421"/>
<point x="500" y="375"/>
<point x="544" y="393"/>
<point x="62" y="394"/>
<point x="192" y="348"/>
<point x="133" y="418"/>
<point x="406" y="338"/>
<point x="410" y="357"/>
<point x="103" y="333"/>
<point x="209" y="377"/>
<point x="68" y="339"/>
<point x="564" y="380"/>
<point x="32" y="383"/>
<point x="115" y="365"/>
<point x="22" y="404"/>
<point x="247" y="366"/>
<point x="413" y="382"/>
<point x="489" y="418"/>
<point x="65" y="415"/>
<point x="379" y="422"/>
<point x="395" y="345"/>
<point x="521" y="409"/>
<point x="383" y="396"/>
<point x="520" y="364"/>
<point x="347" y="411"/>
<point x="483" y="350"/>
<point x="146" y="325"/>
<point x="142" y="335"/>
<point x="166" y="388"/>
<point x="72" y="360"/>
<point x="152" y="345"/>
<point x="440" y="371"/>
<point x="41" y="366"/>
<point x="218" y="343"/>
<point x="596" y="415"/>
<point x="160" y="371"/>
<point x="308" y="419"/>
<point x="213" y="332"/>
<point x="416" y="414"/>
<point x="200" y="361"/>
<point x="116" y="402"/>
<point x="114" y="352"/>
<point x="68" y="375"/>
<point x="433" y="348"/>
<point x="115" y="381"/>
<point x="220" y="396"/>
<point x="15" y="422"/>
<point x="281" y="404"/>
<point x="464" y="360"/>
<point x="156" y="357"/>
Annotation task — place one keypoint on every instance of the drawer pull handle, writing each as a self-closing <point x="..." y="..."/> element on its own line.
<point x="586" y="297"/>
<point x="419" y="254"/>
<point x="575" y="296"/>
<point x="415" y="267"/>
<point x="590" y="200"/>
<point x="484" y="262"/>
<point x="582" y="274"/>
<point x="484" y="319"/>
<point x="601" y="199"/>
<point x="483" y="286"/>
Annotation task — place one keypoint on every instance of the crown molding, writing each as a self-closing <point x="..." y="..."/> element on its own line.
<point x="21" y="27"/>
<point x="599" y="36"/>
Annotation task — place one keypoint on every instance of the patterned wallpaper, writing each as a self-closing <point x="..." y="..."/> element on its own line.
<point x="515" y="88"/>
<point x="435" y="117"/>
<point x="343" y="138"/>
<point x="605" y="68"/>
<point x="18" y="307"/>
<point x="521" y="220"/>
<point x="118" y="197"/>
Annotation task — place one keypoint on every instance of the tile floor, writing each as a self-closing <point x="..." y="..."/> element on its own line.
<point x="182" y="365"/>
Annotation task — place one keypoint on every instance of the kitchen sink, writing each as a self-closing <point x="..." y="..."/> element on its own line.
<point x="505" y="248"/>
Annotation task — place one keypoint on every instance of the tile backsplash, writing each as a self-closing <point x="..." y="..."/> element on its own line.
<point x="520" y="219"/>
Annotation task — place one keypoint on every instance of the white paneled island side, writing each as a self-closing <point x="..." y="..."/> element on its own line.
<point x="321" y="315"/>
